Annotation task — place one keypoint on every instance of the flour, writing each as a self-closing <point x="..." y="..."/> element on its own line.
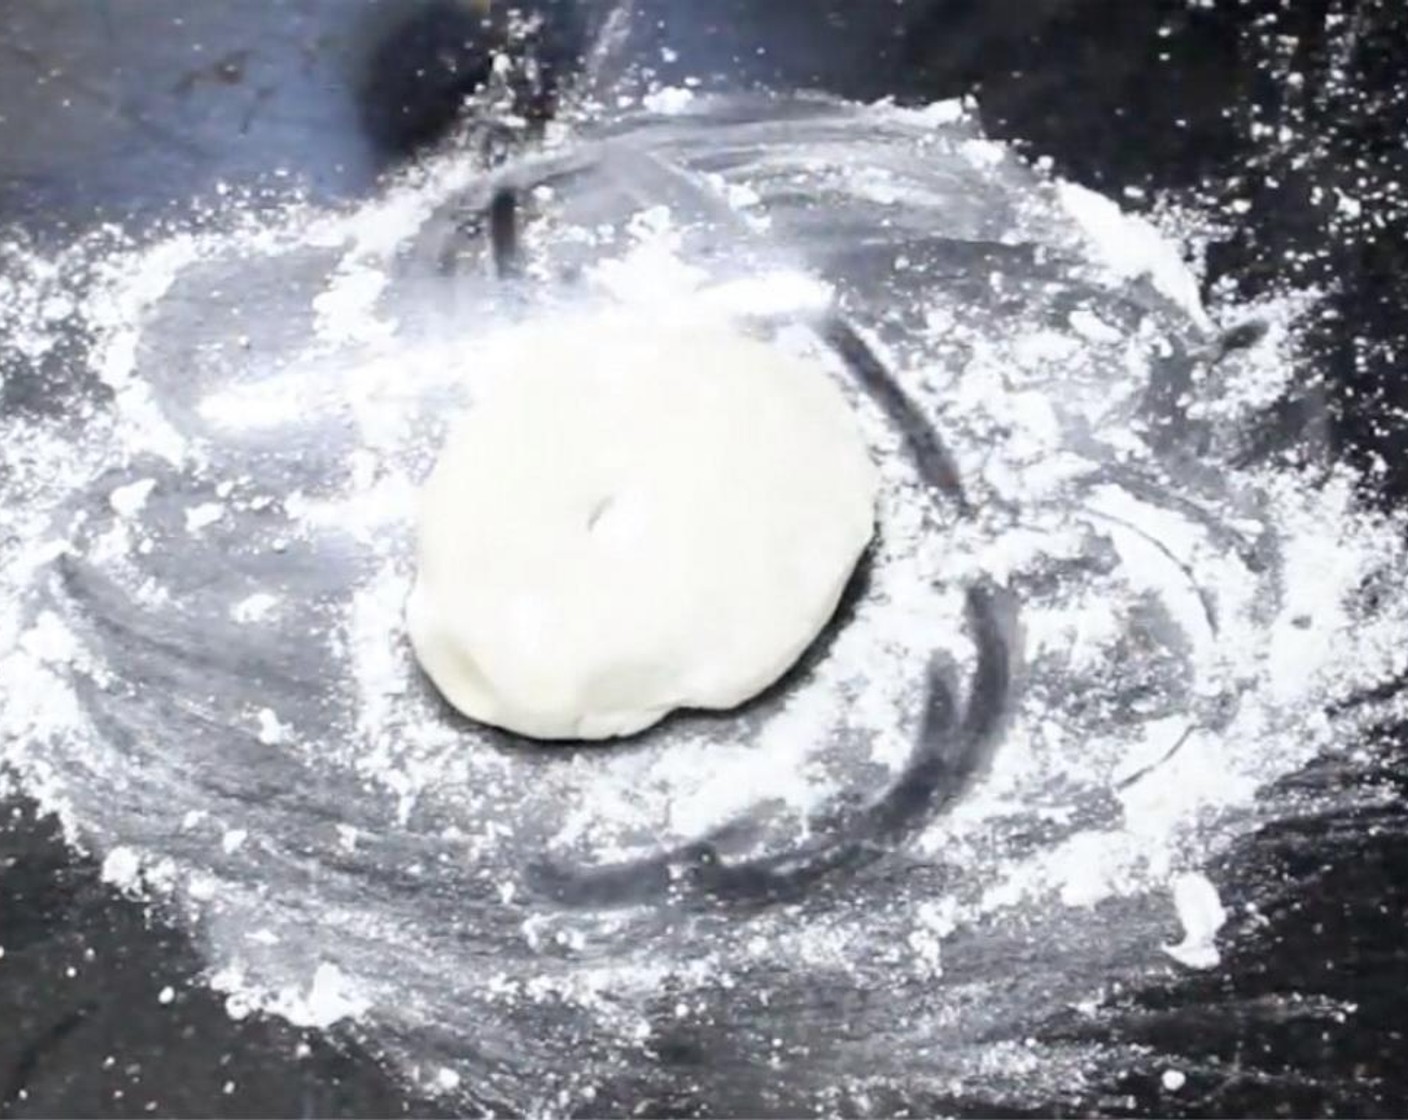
<point x="668" y="100"/>
<point x="1200" y="910"/>
<point x="1133" y="248"/>
<point x="203" y="516"/>
<point x="1187" y="623"/>
<point x="254" y="608"/>
<point x="325" y="1001"/>
<point x="127" y="501"/>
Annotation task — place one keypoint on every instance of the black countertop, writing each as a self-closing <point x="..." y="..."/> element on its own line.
<point x="126" y="112"/>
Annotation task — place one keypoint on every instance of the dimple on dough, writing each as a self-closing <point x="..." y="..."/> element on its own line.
<point x="635" y="517"/>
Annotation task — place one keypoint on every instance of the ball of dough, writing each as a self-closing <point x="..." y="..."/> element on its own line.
<point x="636" y="517"/>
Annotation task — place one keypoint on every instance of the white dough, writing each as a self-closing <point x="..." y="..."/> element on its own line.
<point x="636" y="517"/>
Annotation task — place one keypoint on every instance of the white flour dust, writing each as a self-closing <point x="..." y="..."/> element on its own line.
<point x="205" y="528"/>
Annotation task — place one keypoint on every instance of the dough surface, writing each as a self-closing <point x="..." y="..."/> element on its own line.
<point x="636" y="517"/>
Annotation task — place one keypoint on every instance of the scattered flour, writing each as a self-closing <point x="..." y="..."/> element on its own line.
<point x="1168" y="677"/>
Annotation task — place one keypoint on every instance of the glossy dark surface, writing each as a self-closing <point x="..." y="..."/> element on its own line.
<point x="128" y="111"/>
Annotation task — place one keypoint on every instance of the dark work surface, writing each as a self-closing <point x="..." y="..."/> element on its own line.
<point x="128" y="110"/>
